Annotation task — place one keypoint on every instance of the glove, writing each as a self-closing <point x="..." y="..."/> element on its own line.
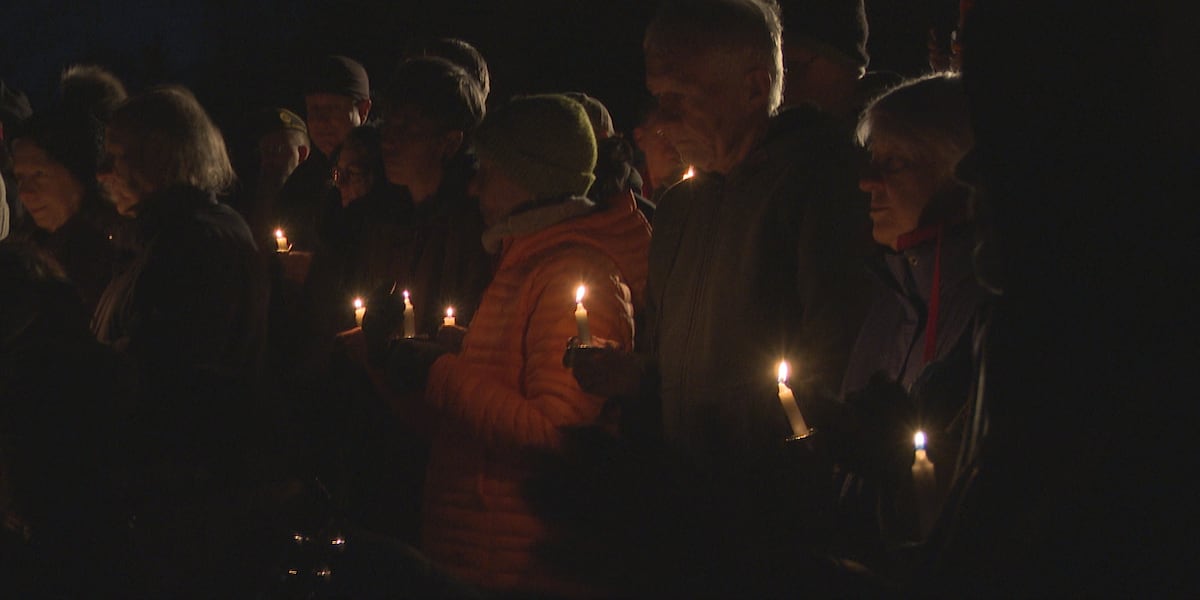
<point x="409" y="361"/>
<point x="384" y="315"/>
<point x="877" y="434"/>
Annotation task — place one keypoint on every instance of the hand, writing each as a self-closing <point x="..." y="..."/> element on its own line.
<point x="353" y="344"/>
<point x="295" y="265"/>
<point x="604" y="370"/>
<point x="409" y="361"/>
<point x="451" y="336"/>
<point x="384" y="315"/>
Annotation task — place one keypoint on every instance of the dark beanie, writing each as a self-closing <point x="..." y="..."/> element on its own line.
<point x="543" y="142"/>
<point x="339" y="75"/>
<point x="602" y="124"/>
<point x="836" y="29"/>
<point x="270" y="120"/>
<point x="71" y="138"/>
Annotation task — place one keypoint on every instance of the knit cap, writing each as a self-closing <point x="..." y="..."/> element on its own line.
<point x="544" y="142"/>
<point x="270" y="120"/>
<point x="836" y="29"/>
<point x="339" y="75"/>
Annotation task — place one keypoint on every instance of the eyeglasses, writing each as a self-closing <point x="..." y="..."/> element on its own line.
<point x="348" y="175"/>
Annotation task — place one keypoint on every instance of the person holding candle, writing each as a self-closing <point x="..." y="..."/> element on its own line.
<point x="911" y="363"/>
<point x="506" y="396"/>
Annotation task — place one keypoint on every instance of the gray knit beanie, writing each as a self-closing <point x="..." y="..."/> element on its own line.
<point x="543" y="142"/>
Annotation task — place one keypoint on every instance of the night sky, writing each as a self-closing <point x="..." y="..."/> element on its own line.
<point x="238" y="55"/>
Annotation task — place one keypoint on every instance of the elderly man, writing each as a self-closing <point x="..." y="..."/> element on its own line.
<point x="750" y="263"/>
<point x="751" y="260"/>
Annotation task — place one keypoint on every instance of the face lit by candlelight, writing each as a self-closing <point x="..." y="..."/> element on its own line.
<point x="900" y="189"/>
<point x="47" y="189"/>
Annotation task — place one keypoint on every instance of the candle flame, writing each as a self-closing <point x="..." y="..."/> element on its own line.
<point x="358" y="303"/>
<point x="691" y="172"/>
<point x="919" y="440"/>
<point x="279" y="234"/>
<point x="449" y="311"/>
<point x="579" y="292"/>
<point x="783" y="371"/>
<point x="405" y="293"/>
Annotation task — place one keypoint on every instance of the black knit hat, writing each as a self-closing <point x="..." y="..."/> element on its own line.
<point x="73" y="139"/>
<point x="339" y="75"/>
<point x="836" y="29"/>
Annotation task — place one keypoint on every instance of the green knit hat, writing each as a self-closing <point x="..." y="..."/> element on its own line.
<point x="543" y="142"/>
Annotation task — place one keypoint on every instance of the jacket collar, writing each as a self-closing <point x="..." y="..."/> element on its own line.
<point x="534" y="220"/>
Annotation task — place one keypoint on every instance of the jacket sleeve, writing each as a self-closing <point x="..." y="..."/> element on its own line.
<point x="547" y="397"/>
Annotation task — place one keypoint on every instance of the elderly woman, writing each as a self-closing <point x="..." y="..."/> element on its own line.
<point x="910" y="367"/>
<point x="55" y="156"/>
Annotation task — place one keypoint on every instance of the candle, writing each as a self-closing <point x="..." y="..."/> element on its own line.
<point x="788" y="400"/>
<point x="449" y="320"/>
<point x="691" y="172"/>
<point x="410" y="322"/>
<point x="360" y="309"/>
<point x="924" y="484"/>
<point x="281" y="241"/>
<point x="581" y="318"/>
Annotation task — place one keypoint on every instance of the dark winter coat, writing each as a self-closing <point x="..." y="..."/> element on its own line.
<point x="189" y="311"/>
<point x="876" y="504"/>
<point x="87" y="248"/>
<point x="746" y="269"/>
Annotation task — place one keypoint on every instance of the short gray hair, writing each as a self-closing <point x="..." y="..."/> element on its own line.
<point x="748" y="31"/>
<point x="926" y="117"/>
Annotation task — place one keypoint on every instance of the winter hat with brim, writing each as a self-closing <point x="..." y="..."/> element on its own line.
<point x="835" y="29"/>
<point x="339" y="75"/>
<point x="543" y="142"/>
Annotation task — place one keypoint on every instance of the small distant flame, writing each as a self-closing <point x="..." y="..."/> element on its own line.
<point x="279" y="234"/>
<point x="919" y="440"/>
<point x="579" y="293"/>
<point x="691" y="172"/>
<point x="358" y="303"/>
<point x="449" y="311"/>
<point x="405" y="292"/>
<point x="783" y="371"/>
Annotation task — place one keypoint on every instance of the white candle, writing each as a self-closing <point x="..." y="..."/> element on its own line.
<point x="581" y="318"/>
<point x="924" y="484"/>
<point x="281" y="241"/>
<point x="788" y="400"/>
<point x="360" y="309"/>
<point x="449" y="320"/>
<point x="410" y="321"/>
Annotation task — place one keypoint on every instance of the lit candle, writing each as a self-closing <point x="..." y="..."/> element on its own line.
<point x="410" y="321"/>
<point x="360" y="309"/>
<point x="581" y="318"/>
<point x="449" y="320"/>
<point x="788" y="400"/>
<point x="281" y="242"/>
<point x="691" y="172"/>
<point x="924" y="484"/>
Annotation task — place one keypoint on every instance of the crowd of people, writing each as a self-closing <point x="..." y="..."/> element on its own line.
<point x="807" y="329"/>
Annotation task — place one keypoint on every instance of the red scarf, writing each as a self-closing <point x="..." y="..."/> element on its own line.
<point x="914" y="238"/>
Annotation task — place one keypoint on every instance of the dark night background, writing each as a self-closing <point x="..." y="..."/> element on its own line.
<point x="238" y="55"/>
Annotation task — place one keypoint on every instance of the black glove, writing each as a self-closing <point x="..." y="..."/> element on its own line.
<point x="409" y="361"/>
<point x="875" y="430"/>
<point x="384" y="315"/>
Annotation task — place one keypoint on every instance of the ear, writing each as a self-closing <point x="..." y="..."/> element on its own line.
<point x="364" y="108"/>
<point x="451" y="141"/>
<point x="303" y="152"/>
<point x="758" y="87"/>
